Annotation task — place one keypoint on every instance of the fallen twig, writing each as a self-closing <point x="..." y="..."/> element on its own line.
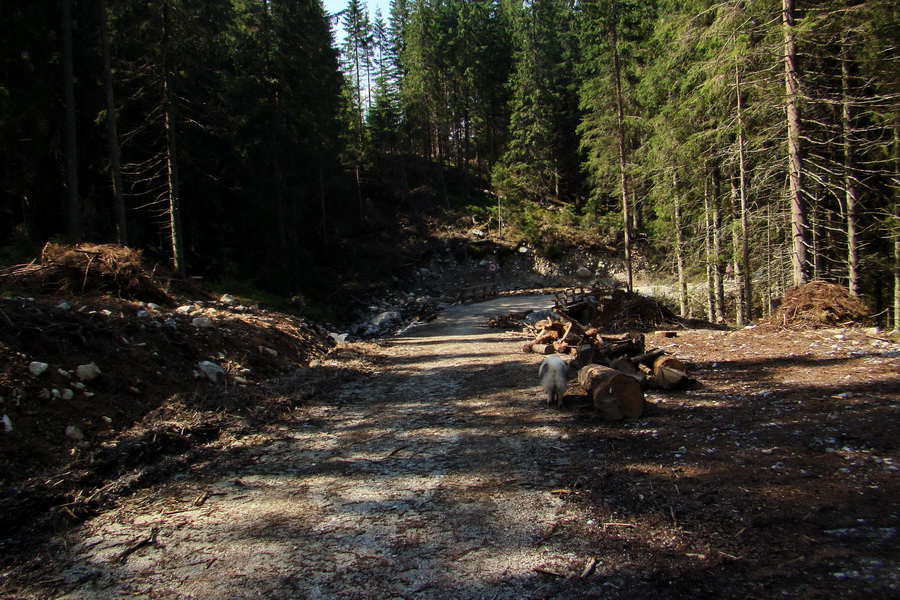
<point x="549" y="572"/>
<point x="137" y="545"/>
<point x="589" y="568"/>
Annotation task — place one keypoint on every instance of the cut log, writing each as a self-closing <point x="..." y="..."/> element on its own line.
<point x="615" y="394"/>
<point x="584" y="355"/>
<point x="543" y="348"/>
<point x="574" y="329"/>
<point x="648" y="357"/>
<point x="561" y="346"/>
<point x="669" y="373"/>
<point x="613" y="348"/>
<point x="623" y="364"/>
<point x="527" y="347"/>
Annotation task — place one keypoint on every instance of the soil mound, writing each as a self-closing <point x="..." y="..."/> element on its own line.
<point x="89" y="268"/>
<point x="818" y="304"/>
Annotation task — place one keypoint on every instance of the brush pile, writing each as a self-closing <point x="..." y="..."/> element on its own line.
<point x="88" y="268"/>
<point x="818" y="304"/>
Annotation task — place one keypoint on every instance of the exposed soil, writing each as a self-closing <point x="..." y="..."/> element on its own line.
<point x="429" y="466"/>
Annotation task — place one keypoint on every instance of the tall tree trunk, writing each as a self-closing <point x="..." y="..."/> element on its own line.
<point x="740" y="312"/>
<point x="851" y="192"/>
<point x="799" y="226"/>
<point x="746" y="288"/>
<point x="679" y="250"/>
<point x="710" y="260"/>
<point x="175" y="230"/>
<point x="896" y="185"/>
<point x="620" y="130"/>
<point x="115" y="167"/>
<point x="74" y="204"/>
<point x="719" y="271"/>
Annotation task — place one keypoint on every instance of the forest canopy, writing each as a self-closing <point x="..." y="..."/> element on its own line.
<point x="757" y="140"/>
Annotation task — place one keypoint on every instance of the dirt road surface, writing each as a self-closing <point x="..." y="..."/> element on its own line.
<point x="429" y="466"/>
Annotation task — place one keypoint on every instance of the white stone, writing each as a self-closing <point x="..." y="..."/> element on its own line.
<point x="212" y="371"/>
<point x="67" y="394"/>
<point x="228" y="299"/>
<point x="74" y="433"/>
<point x="37" y="367"/>
<point x="387" y="318"/>
<point x="88" y="372"/>
<point x="202" y="322"/>
<point x="7" y="424"/>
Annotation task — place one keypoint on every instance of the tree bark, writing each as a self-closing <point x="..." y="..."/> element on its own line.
<point x="115" y="167"/>
<point x="799" y="226"/>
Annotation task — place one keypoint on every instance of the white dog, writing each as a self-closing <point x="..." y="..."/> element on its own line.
<point x="554" y="374"/>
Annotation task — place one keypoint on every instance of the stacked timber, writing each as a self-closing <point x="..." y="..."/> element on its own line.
<point x="614" y="370"/>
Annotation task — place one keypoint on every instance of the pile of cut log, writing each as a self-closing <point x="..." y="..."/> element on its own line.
<point x="613" y="369"/>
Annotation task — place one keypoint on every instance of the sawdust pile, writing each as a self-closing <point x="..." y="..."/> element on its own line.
<point x="88" y="268"/>
<point x="818" y="304"/>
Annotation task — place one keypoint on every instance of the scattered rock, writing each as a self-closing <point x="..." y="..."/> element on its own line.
<point x="88" y="372"/>
<point x="386" y="319"/>
<point x="74" y="433"/>
<point x="212" y="371"/>
<point x="202" y="322"/>
<point x="7" y="424"/>
<point x="37" y="367"/>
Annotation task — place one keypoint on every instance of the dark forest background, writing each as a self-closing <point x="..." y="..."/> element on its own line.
<point x="239" y="140"/>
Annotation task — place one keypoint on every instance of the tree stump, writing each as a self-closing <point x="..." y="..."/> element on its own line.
<point x="615" y="394"/>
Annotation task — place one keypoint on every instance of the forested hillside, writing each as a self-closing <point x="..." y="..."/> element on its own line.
<point x="757" y="141"/>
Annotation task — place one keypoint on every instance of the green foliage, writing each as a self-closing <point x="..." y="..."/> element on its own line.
<point x="267" y="130"/>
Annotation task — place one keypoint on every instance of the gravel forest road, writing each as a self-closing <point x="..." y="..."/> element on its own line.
<point x="436" y="475"/>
